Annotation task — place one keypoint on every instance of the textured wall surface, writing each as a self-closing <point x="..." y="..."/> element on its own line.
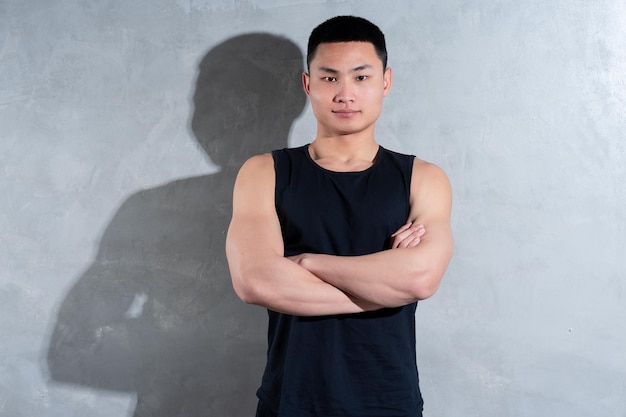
<point x="122" y="125"/>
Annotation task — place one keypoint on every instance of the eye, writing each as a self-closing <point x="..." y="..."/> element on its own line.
<point x="361" y="77"/>
<point x="330" y="79"/>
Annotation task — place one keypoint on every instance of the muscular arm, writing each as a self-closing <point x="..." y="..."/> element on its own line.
<point x="397" y="277"/>
<point x="254" y="247"/>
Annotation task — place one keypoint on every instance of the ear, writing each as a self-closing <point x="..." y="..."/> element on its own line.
<point x="387" y="81"/>
<point x="306" y="83"/>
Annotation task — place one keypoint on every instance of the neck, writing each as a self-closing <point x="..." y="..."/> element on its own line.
<point x="344" y="153"/>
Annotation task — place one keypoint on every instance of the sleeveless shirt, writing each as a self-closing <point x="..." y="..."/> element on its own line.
<point x="360" y="365"/>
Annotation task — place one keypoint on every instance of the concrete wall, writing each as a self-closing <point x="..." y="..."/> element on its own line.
<point x="121" y="128"/>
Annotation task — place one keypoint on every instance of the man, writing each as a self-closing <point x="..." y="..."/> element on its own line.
<point x="339" y="239"/>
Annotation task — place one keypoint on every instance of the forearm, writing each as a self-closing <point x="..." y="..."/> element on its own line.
<point x="389" y="278"/>
<point x="280" y="285"/>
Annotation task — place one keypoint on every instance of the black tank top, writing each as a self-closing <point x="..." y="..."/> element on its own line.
<point x="360" y="365"/>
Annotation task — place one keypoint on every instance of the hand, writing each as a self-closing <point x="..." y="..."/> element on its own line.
<point x="408" y="236"/>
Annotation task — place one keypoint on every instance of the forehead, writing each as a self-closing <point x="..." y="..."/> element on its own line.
<point x="345" y="55"/>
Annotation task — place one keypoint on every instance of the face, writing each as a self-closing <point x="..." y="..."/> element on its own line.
<point x="346" y="86"/>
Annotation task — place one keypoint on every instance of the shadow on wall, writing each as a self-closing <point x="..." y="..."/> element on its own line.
<point x="155" y="313"/>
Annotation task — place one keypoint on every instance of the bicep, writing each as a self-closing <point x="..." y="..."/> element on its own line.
<point x="431" y="205"/>
<point x="431" y="193"/>
<point x="254" y="231"/>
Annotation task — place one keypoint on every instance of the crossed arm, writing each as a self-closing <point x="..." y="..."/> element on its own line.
<point x="313" y="284"/>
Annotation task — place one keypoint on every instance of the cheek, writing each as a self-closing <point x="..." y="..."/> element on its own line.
<point x="315" y="95"/>
<point x="373" y="96"/>
<point x="317" y="103"/>
<point x="319" y="97"/>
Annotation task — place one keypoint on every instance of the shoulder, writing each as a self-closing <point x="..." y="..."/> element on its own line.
<point x="262" y="161"/>
<point x="430" y="186"/>
<point x="429" y="174"/>
<point x="255" y="178"/>
<point x="257" y="166"/>
<point x="270" y="159"/>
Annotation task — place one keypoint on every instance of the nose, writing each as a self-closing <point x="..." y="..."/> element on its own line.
<point x="344" y="93"/>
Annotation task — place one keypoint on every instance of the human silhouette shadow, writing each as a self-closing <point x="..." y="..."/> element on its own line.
<point x="155" y="312"/>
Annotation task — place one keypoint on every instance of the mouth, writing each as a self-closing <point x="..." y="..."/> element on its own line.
<point x="345" y="112"/>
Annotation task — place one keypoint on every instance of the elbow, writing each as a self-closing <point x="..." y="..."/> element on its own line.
<point x="242" y="278"/>
<point x="245" y="288"/>
<point x="249" y="297"/>
<point x="426" y="276"/>
<point x="243" y="291"/>
<point x="424" y="284"/>
<point x="425" y="290"/>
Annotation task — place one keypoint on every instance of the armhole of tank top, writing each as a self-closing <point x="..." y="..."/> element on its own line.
<point x="410" y="166"/>
<point x="276" y="158"/>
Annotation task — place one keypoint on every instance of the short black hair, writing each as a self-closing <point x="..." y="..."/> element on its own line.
<point x="347" y="29"/>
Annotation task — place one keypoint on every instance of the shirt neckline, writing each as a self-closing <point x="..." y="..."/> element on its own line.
<point x="377" y="159"/>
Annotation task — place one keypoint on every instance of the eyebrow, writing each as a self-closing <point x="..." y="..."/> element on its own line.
<point x="356" y="69"/>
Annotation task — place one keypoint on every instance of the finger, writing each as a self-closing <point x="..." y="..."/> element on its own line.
<point x="401" y="238"/>
<point x="415" y="230"/>
<point x="409" y="238"/>
<point x="402" y="242"/>
<point x="410" y="242"/>
<point x="414" y="242"/>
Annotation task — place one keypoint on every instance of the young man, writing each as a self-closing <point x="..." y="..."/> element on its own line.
<point x="339" y="239"/>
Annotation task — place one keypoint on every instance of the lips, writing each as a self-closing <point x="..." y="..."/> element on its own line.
<point x="345" y="112"/>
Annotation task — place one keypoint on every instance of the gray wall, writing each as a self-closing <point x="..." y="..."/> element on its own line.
<point x="121" y="127"/>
